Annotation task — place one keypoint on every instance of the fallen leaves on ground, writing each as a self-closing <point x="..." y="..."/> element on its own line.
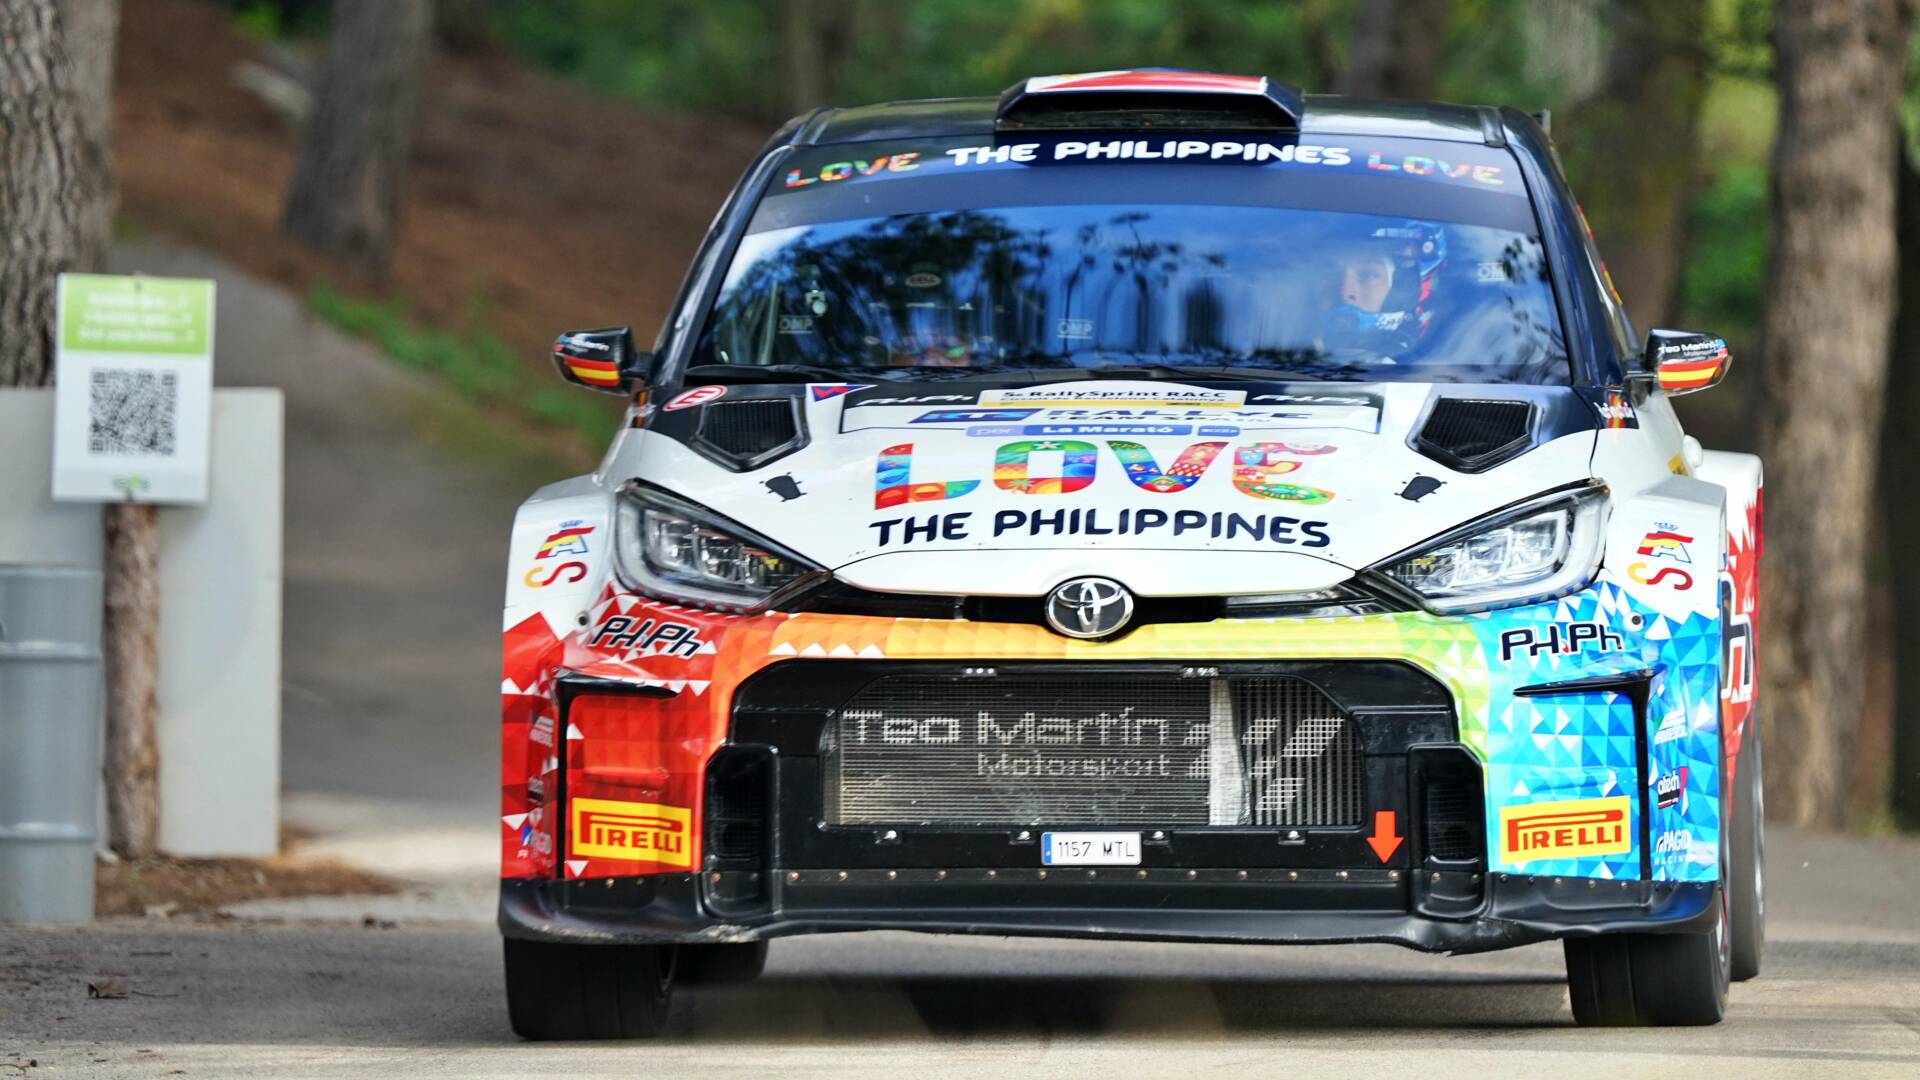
<point x="164" y="886"/>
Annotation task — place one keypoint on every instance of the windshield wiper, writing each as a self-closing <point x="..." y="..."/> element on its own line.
<point x="777" y="373"/>
<point x="1185" y="371"/>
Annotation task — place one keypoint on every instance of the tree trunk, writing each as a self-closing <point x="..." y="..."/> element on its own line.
<point x="1899" y="464"/>
<point x="890" y="23"/>
<point x="819" y="39"/>
<point x="1827" y="327"/>
<point x="1636" y="200"/>
<point x="1396" y="49"/>
<point x="88" y="29"/>
<point x="463" y="25"/>
<point x="805" y="86"/>
<point x="835" y="27"/>
<point x="44" y="227"/>
<point x="1319" y="22"/>
<point x="55" y="216"/>
<point x="131" y="650"/>
<point x="345" y="200"/>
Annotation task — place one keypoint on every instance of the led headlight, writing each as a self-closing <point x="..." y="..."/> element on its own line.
<point x="1536" y="550"/>
<point x="674" y="550"/>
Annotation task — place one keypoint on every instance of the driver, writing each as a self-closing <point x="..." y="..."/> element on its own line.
<point x="1380" y="286"/>
<point x="1366" y="277"/>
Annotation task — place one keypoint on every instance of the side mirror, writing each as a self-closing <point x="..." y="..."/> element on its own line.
<point x="1680" y="362"/>
<point x="603" y="360"/>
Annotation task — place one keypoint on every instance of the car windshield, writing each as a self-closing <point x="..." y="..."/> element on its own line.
<point x="1339" y="271"/>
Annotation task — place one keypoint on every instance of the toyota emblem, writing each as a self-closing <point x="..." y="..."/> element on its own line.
<point x="1089" y="607"/>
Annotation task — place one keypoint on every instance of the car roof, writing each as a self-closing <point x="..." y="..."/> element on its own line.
<point x="1324" y="114"/>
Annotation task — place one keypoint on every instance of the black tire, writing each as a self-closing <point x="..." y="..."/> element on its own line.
<point x="568" y="991"/>
<point x="709" y="965"/>
<point x="1600" y="981"/>
<point x="1747" y="878"/>
<point x="1657" y="980"/>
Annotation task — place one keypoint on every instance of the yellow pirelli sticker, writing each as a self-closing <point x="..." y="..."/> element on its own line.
<point x="1571" y="829"/>
<point x="642" y="832"/>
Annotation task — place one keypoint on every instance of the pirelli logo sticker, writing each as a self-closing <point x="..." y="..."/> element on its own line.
<point x="1572" y="829"/>
<point x="641" y="832"/>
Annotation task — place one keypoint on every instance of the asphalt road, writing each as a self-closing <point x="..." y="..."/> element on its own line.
<point x="1841" y="996"/>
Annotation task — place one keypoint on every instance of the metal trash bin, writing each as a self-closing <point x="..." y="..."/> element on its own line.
<point x="50" y="694"/>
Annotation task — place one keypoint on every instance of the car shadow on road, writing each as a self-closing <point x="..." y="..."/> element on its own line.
<point x="779" y="1008"/>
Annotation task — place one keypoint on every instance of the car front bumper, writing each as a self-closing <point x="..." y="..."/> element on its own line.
<point x="1465" y="726"/>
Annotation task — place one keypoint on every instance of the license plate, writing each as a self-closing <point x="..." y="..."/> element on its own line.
<point x="1090" y="849"/>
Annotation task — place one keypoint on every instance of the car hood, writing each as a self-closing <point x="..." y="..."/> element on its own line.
<point x="1172" y="488"/>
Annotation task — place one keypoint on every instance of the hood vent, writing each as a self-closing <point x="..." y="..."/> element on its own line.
<point x="749" y="432"/>
<point x="1473" y="436"/>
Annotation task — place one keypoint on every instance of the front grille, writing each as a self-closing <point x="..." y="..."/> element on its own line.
<point x="1298" y="752"/>
<point x="1063" y="750"/>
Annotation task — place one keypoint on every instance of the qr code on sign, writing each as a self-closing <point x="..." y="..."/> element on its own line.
<point x="132" y="412"/>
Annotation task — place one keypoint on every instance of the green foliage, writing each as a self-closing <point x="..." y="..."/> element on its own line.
<point x="1487" y="59"/>
<point x="276" y="20"/>
<point x="259" y="21"/>
<point x="1722" y="283"/>
<point x="572" y="409"/>
<point x="678" y="53"/>
<point x="1724" y="275"/>
<point x="726" y="55"/>
<point x="476" y="364"/>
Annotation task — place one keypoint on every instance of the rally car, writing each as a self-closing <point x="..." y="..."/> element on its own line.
<point x="1146" y="505"/>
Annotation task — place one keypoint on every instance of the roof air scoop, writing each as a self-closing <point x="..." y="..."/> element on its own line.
<point x="1149" y="98"/>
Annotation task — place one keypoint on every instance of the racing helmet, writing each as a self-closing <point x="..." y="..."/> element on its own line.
<point x="1416" y="250"/>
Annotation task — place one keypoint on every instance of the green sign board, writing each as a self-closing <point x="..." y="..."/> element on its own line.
<point x="133" y="389"/>
<point x="108" y="314"/>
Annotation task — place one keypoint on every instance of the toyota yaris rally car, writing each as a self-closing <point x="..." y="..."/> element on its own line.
<point x="1145" y="505"/>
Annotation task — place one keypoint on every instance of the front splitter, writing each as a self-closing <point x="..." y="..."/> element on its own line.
<point x="1223" y="908"/>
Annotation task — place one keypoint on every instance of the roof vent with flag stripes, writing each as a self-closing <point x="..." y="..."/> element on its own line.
<point x="1149" y="98"/>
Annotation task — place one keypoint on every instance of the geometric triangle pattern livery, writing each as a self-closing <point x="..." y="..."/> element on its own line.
<point x="1536" y="749"/>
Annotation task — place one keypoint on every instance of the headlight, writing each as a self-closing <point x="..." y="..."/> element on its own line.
<point x="1537" y="550"/>
<point x="674" y="550"/>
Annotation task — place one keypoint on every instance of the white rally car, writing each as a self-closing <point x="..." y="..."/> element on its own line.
<point x="1146" y="505"/>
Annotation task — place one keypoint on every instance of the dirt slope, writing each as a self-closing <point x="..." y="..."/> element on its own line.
<point x="532" y="202"/>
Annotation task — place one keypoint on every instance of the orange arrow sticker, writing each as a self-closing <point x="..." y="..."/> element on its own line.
<point x="1385" y="839"/>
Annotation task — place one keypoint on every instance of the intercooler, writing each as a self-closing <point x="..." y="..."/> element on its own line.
<point x="941" y="749"/>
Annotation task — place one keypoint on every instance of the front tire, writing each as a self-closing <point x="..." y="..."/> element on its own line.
<point x="1657" y="980"/>
<point x="1747" y="879"/>
<point x="559" y="990"/>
